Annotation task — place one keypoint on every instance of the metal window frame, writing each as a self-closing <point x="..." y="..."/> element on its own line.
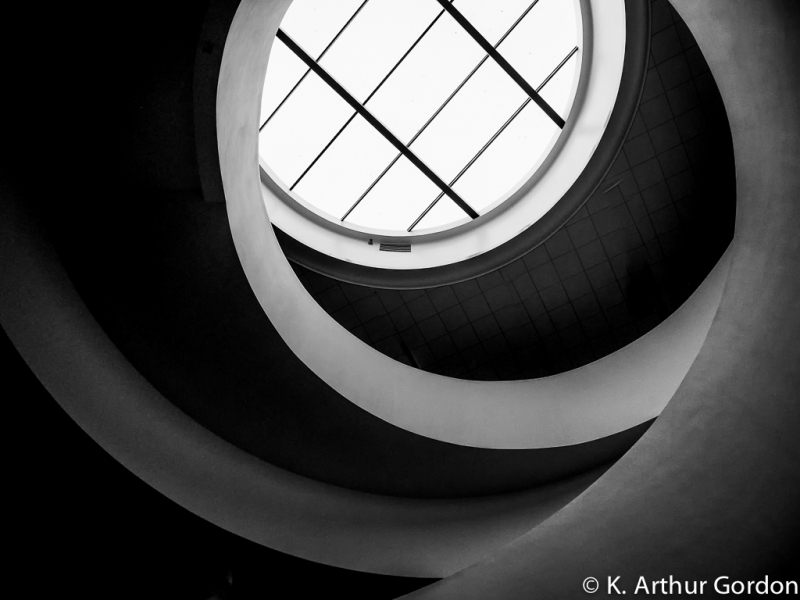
<point x="372" y="120"/>
<point x="404" y="150"/>
<point x="495" y="136"/>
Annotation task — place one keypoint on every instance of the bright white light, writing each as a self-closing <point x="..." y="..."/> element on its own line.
<point x="424" y="80"/>
<point x="304" y="127"/>
<point x="397" y="200"/>
<point x="476" y="113"/>
<point x="360" y="144"/>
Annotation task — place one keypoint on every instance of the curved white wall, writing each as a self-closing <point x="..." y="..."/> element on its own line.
<point x="80" y="367"/>
<point x="611" y="395"/>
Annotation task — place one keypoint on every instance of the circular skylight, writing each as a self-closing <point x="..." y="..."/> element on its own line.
<point x="413" y="116"/>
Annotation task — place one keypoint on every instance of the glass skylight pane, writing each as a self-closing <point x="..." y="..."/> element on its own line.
<point x="425" y="79"/>
<point x="469" y="121"/>
<point x="283" y="72"/>
<point x="508" y="160"/>
<point x="347" y="169"/>
<point x="314" y="23"/>
<point x="445" y="212"/>
<point x="375" y="41"/>
<point x="305" y="124"/>
<point x="493" y="19"/>
<point x="542" y="40"/>
<point x="397" y="200"/>
<point x="379" y="34"/>
<point x="558" y="90"/>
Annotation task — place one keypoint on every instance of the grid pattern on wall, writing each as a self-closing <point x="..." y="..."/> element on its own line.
<point x="636" y="250"/>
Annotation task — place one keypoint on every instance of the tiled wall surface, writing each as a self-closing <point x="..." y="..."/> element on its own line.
<point x="621" y="265"/>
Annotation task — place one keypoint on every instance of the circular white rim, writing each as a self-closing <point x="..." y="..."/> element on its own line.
<point x="623" y="390"/>
<point x="593" y="99"/>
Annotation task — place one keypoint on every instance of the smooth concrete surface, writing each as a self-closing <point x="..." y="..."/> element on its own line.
<point x="168" y="290"/>
<point x="236" y="377"/>
<point x="77" y="363"/>
<point x="713" y="488"/>
<point x="54" y="332"/>
<point x="614" y="394"/>
<point x="47" y="320"/>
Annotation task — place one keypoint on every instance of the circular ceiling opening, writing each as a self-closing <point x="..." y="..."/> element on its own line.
<point x="398" y="139"/>
<point x="415" y="117"/>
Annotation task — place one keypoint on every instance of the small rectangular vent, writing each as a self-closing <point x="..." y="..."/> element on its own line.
<point x="396" y="247"/>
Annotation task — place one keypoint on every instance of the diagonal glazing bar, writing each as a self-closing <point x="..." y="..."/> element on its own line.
<point x="440" y="109"/>
<point x="299" y="81"/>
<point x="557" y="69"/>
<point x="372" y="185"/>
<point x="324" y="150"/>
<point x="406" y="53"/>
<point x="494" y="137"/>
<point x="375" y="91"/>
<point x="512" y="72"/>
<point x="471" y="73"/>
<point x="380" y="127"/>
